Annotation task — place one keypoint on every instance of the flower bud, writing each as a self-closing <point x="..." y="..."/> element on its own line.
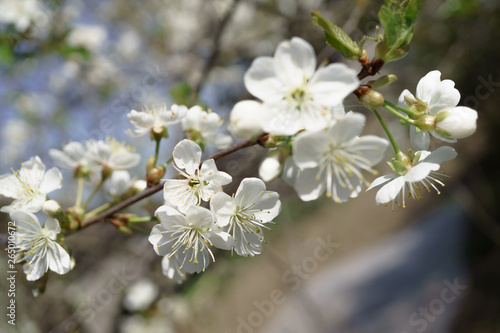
<point x="150" y="163"/>
<point x="51" y="208"/>
<point x="154" y="175"/>
<point x="382" y="81"/>
<point x="456" y="123"/>
<point x="372" y="100"/>
<point x="270" y="168"/>
<point x="245" y="119"/>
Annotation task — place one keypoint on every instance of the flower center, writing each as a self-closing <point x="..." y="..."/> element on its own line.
<point x="299" y="95"/>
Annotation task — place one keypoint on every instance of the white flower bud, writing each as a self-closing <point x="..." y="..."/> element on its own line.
<point x="245" y="119"/>
<point x="51" y="208"/>
<point x="270" y="168"/>
<point x="458" y="122"/>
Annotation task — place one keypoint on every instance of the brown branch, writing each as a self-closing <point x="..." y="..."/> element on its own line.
<point x="156" y="188"/>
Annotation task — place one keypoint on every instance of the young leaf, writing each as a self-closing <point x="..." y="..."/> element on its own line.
<point x="398" y="18"/>
<point x="336" y="37"/>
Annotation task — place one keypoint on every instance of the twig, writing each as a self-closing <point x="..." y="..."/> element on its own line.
<point x="156" y="188"/>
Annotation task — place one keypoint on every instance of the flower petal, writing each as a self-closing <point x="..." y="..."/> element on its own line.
<point x="331" y="84"/>
<point x="261" y="80"/>
<point x="52" y="180"/>
<point x="309" y="149"/>
<point x="309" y="187"/>
<point x="249" y="192"/>
<point x="427" y="85"/>
<point x="294" y="61"/>
<point x="440" y="155"/>
<point x="390" y="190"/>
<point x="187" y="156"/>
<point x="347" y="128"/>
<point x="420" y="140"/>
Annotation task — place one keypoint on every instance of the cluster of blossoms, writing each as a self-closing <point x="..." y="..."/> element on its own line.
<point x="314" y="145"/>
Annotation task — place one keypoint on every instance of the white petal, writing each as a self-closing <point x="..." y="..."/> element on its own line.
<point x="370" y="147"/>
<point x="282" y="118"/>
<point x="26" y="221"/>
<point x="52" y="225"/>
<point x="309" y="149"/>
<point x="420" y="140"/>
<point x="315" y="117"/>
<point x="294" y="61"/>
<point x="52" y="180"/>
<point x="245" y="119"/>
<point x="220" y="140"/>
<point x="427" y="85"/>
<point x="199" y="217"/>
<point x="141" y="119"/>
<point x="249" y="192"/>
<point x="331" y="84"/>
<point x="124" y="160"/>
<point x="247" y="244"/>
<point x="440" y="155"/>
<point x="222" y="207"/>
<point x="261" y="80"/>
<point x="445" y="95"/>
<point x="308" y="187"/>
<point x="268" y="207"/>
<point x="347" y="128"/>
<point x="221" y="240"/>
<point x="187" y="156"/>
<point x="380" y="181"/>
<point x="59" y="260"/>
<point x="390" y="190"/>
<point x="420" y="171"/>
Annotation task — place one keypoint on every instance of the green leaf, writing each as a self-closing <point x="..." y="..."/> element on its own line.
<point x="6" y="54"/>
<point x="398" y="18"/>
<point x="336" y="37"/>
<point x="181" y="92"/>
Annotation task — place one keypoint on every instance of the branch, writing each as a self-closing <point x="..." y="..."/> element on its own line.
<point x="156" y="188"/>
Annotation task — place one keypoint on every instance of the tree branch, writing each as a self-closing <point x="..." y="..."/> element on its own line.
<point x="156" y="188"/>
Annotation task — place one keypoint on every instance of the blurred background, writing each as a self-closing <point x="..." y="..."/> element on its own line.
<point x="72" y="70"/>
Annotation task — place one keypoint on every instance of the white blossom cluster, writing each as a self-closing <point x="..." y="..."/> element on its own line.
<point x="314" y="145"/>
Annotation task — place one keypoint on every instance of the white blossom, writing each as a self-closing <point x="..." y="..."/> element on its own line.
<point x="458" y="122"/>
<point x="90" y="37"/>
<point x="270" y="168"/>
<point x="29" y="186"/>
<point x="295" y="96"/>
<point x="140" y="295"/>
<point x="245" y="119"/>
<point x="246" y="213"/>
<point x="437" y="95"/>
<point x="155" y="120"/>
<point x="188" y="236"/>
<point x="198" y="183"/>
<point x="422" y="174"/>
<point x="112" y="154"/>
<point x="21" y="13"/>
<point x="333" y="160"/>
<point x="41" y="250"/>
<point x="201" y="126"/>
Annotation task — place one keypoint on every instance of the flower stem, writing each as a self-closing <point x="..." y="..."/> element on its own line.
<point x="158" y="187"/>
<point x="389" y="135"/>
<point x="98" y="210"/>
<point x="392" y="109"/>
<point x="393" y="106"/>
<point x="98" y="187"/>
<point x="157" y="150"/>
<point x="142" y="219"/>
<point x="79" y="192"/>
<point x="131" y="226"/>
<point x="165" y="165"/>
